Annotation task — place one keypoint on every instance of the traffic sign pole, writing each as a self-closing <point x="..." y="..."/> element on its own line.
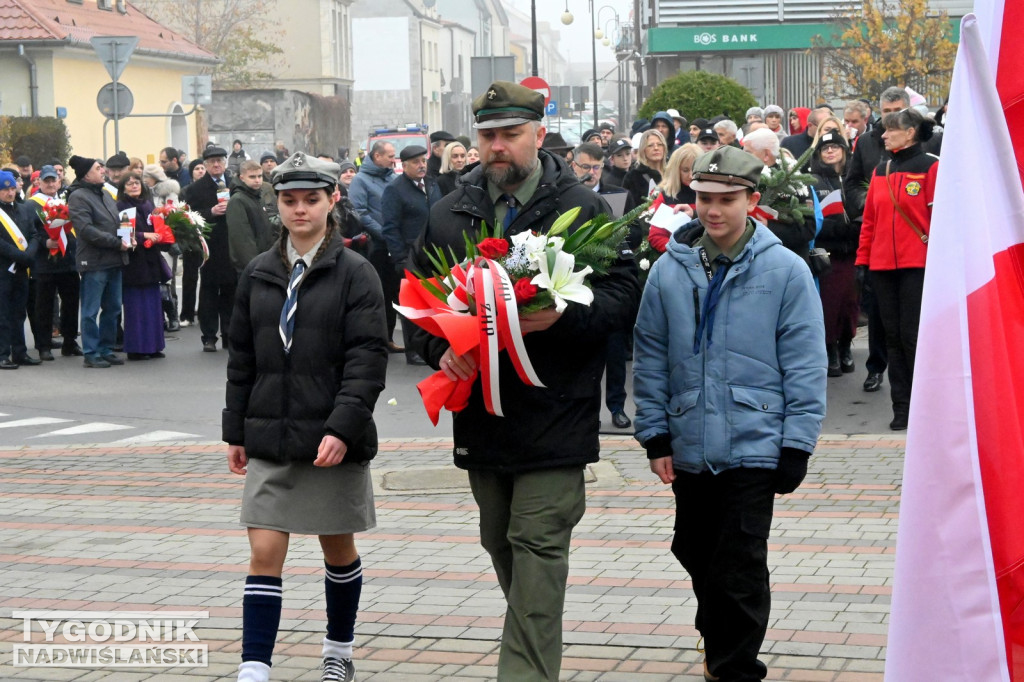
<point x="114" y="51"/>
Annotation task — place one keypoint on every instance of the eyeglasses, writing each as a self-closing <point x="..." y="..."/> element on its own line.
<point x="831" y="148"/>
<point x="588" y="167"/>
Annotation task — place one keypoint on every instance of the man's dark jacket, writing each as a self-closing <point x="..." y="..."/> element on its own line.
<point x="555" y="426"/>
<point x="95" y="218"/>
<point x="280" y="406"/>
<point x="201" y="195"/>
<point x="405" y="210"/>
<point x="10" y="255"/>
<point x="250" y="232"/>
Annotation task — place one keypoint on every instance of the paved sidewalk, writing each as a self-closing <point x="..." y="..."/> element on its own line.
<point x="155" y="528"/>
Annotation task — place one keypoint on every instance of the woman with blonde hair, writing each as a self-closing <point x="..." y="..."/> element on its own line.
<point x="675" y="185"/>
<point x="829" y="124"/>
<point x="453" y="160"/>
<point x="650" y="166"/>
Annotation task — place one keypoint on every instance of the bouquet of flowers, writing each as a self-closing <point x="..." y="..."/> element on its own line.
<point x="57" y="223"/>
<point x="178" y="223"/>
<point x="475" y="303"/>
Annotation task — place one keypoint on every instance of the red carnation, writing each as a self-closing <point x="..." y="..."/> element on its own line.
<point x="493" y="247"/>
<point x="524" y="291"/>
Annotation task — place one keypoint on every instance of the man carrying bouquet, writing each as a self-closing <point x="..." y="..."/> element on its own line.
<point x="526" y="468"/>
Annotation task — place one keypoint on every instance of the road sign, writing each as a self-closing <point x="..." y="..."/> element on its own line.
<point x="540" y="85"/>
<point x="105" y="100"/>
<point x="197" y="90"/>
<point x="552" y="108"/>
<point x="114" y="52"/>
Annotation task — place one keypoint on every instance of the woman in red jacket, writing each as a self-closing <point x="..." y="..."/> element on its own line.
<point x="894" y="244"/>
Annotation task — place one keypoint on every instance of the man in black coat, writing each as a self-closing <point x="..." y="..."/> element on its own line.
<point x="526" y="468"/>
<point x="405" y="207"/>
<point x="439" y="139"/>
<point x="209" y="196"/>
<point x="18" y="246"/>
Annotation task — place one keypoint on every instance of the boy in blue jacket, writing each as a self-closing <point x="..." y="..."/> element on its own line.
<point x="729" y="382"/>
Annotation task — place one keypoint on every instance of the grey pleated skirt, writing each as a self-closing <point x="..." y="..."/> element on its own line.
<point x="298" y="497"/>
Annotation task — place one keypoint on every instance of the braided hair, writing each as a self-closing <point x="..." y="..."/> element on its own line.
<point x="332" y="227"/>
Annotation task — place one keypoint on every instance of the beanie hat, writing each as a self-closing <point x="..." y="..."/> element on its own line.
<point x="774" y="109"/>
<point x="155" y="172"/>
<point x="754" y="111"/>
<point x="81" y="165"/>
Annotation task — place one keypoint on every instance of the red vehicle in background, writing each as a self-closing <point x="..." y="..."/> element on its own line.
<point x="401" y="137"/>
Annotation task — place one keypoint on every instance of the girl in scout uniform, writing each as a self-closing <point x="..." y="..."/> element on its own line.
<point x="307" y="362"/>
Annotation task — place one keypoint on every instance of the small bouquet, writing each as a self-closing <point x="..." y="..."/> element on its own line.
<point x="178" y="223"/>
<point x="57" y="222"/>
<point x="475" y="303"/>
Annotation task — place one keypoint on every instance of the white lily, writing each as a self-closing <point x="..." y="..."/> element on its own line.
<point x="564" y="284"/>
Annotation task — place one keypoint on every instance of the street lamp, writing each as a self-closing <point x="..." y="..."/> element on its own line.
<point x="567" y="19"/>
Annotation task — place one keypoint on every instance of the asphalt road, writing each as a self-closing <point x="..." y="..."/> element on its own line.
<point x="180" y="398"/>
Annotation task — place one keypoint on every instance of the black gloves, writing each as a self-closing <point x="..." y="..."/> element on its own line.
<point x="791" y="470"/>
<point x="861" y="277"/>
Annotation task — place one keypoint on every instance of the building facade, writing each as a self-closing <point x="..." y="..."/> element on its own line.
<point x="49" y="68"/>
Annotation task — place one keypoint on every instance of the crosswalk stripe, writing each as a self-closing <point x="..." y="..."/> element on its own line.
<point x="90" y="427"/>
<point x="34" y="421"/>
<point x="156" y="437"/>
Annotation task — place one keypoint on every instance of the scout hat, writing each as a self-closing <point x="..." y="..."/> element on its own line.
<point x="214" y="151"/>
<point x="507" y="104"/>
<point x="302" y="171"/>
<point x="726" y="169"/>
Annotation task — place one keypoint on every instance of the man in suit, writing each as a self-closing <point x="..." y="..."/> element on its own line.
<point x="209" y="197"/>
<point x="406" y="206"/>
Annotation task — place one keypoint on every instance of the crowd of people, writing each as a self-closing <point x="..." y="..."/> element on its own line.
<point x="729" y="387"/>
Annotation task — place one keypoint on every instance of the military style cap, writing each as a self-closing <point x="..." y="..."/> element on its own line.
<point x="118" y="160"/>
<point x="507" y="104"/>
<point x="302" y="171"/>
<point x="7" y="180"/>
<point x="213" y="152"/>
<point x="726" y="169"/>
<point x="47" y="173"/>
<point x="441" y="135"/>
<point x="831" y="137"/>
<point x="708" y="134"/>
<point x="411" y="152"/>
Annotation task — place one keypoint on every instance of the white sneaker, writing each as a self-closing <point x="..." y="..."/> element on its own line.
<point x="253" y="671"/>
<point x="184" y="323"/>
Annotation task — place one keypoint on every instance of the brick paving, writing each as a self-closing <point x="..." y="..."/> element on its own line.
<point x="156" y="528"/>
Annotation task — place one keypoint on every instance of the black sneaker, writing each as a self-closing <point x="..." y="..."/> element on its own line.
<point x="338" y="670"/>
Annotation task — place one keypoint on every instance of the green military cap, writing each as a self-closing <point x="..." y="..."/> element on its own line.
<point x="507" y="104"/>
<point x="726" y="169"/>
<point x="302" y="171"/>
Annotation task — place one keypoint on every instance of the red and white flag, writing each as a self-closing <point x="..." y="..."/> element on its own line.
<point x="958" y="595"/>
<point x="832" y="203"/>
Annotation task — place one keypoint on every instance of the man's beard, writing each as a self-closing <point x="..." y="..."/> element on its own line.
<point x="511" y="175"/>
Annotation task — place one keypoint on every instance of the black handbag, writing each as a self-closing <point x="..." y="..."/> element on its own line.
<point x="820" y="262"/>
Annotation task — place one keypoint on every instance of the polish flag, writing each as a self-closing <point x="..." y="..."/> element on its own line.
<point x="832" y="204"/>
<point x="958" y="595"/>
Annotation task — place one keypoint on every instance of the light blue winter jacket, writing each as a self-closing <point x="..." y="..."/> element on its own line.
<point x="757" y="385"/>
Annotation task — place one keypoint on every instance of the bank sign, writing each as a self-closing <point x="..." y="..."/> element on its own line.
<point x="730" y="38"/>
<point x="749" y="38"/>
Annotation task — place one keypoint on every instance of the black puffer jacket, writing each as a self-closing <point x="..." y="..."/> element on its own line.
<point x="542" y="427"/>
<point x="281" y="406"/>
<point x="839" y="235"/>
